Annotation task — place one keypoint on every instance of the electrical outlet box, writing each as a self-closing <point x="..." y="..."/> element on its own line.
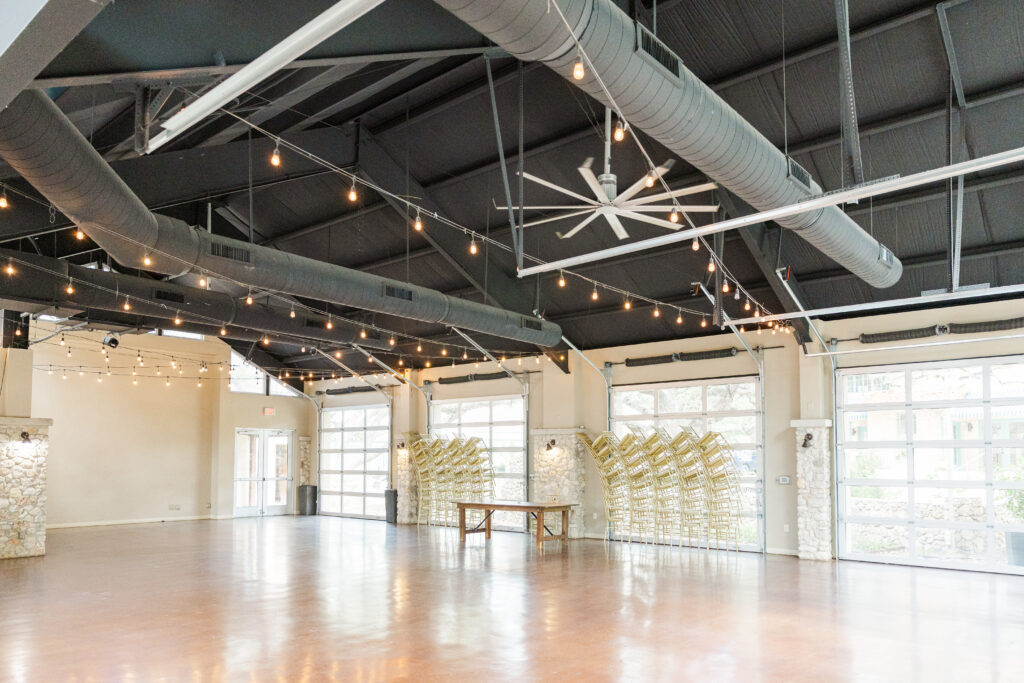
<point x="783" y="479"/>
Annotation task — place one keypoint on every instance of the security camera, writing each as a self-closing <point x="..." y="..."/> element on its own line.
<point x="110" y="340"/>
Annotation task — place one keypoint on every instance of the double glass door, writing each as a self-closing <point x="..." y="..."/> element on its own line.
<point x="263" y="471"/>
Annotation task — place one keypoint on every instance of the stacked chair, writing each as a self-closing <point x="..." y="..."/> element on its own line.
<point x="661" y="488"/>
<point x="447" y="471"/>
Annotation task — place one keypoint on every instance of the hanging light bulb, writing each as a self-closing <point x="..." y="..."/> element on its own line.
<point x="266" y="340"/>
<point x="736" y="296"/>
<point x="10" y="268"/>
<point x="757" y="312"/>
<point x="17" y="332"/>
<point x="427" y="364"/>
<point x="79" y="235"/>
<point x="578" y="72"/>
<point x="70" y="289"/>
<point x="138" y="358"/>
<point x="62" y="340"/>
<point x="679" y="318"/>
<point x="168" y="382"/>
<point x="649" y="180"/>
<point x="362" y="334"/>
<point x="628" y="304"/>
<point x="391" y="341"/>
<point x="418" y="223"/>
<point x="177" y="318"/>
<point x="593" y="295"/>
<point x="63" y="374"/>
<point x="248" y="298"/>
<point x="202" y="282"/>
<point x="275" y="158"/>
<point x="146" y="260"/>
<point x="561" y="279"/>
<point x="174" y="363"/>
<point x="472" y="246"/>
<point x="746" y="306"/>
<point x="711" y="265"/>
<point x="330" y="323"/>
<point x="620" y="131"/>
<point x="502" y="359"/>
<point x="223" y="331"/>
<point x="291" y="313"/>
<point x="135" y="382"/>
<point x="725" y="287"/>
<point x="352" y="194"/>
<point x="444" y="351"/>
<point x="465" y="356"/>
<point x="3" y="199"/>
<point x="68" y="354"/>
<point x="337" y="354"/>
<point x="401" y="362"/>
<point x="657" y="312"/>
<point x="127" y="304"/>
<point x="695" y="244"/>
<point x="419" y="348"/>
<point x="703" y="321"/>
<point x="674" y="216"/>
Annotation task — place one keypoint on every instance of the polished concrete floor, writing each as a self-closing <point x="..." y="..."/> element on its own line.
<point x="313" y="599"/>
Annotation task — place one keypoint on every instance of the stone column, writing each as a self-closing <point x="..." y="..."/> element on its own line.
<point x="24" y="443"/>
<point x="556" y="475"/>
<point x="305" y="460"/>
<point x="814" y="488"/>
<point x="404" y="481"/>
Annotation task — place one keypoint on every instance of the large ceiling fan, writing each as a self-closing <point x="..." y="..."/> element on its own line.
<point x="613" y="205"/>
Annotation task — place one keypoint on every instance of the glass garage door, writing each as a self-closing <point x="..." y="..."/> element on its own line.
<point x="931" y="464"/>
<point x="354" y="460"/>
<point x="500" y="422"/>
<point x="730" y="406"/>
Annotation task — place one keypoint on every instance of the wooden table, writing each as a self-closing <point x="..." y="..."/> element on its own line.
<point x="535" y="509"/>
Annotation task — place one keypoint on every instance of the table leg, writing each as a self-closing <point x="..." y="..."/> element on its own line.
<point x="487" y="525"/>
<point x="565" y="524"/>
<point x="540" y="529"/>
<point x="462" y="524"/>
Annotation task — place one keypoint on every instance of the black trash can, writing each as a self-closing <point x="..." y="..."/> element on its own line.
<point x="391" y="506"/>
<point x="307" y="500"/>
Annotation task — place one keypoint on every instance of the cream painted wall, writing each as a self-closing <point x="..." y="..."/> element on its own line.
<point x="122" y="453"/>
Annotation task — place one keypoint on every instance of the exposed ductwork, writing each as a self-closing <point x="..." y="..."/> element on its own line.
<point x="39" y="142"/>
<point x="659" y="95"/>
<point x="201" y="309"/>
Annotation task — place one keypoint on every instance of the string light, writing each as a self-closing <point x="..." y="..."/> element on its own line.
<point x="427" y="364"/>
<point x="352" y="194"/>
<point x="725" y="287"/>
<point x="3" y="199"/>
<point x="62" y="340"/>
<point x="419" y="348"/>
<point x="275" y="158"/>
<point x="444" y="351"/>
<point x="79" y="235"/>
<point x="391" y="341"/>
<point x="674" y="216"/>
<point x="736" y="296"/>
<point x="561" y="279"/>
<point x="657" y="312"/>
<point x="695" y="244"/>
<point x="330" y="323"/>
<point x="127" y="304"/>
<point x="70" y="289"/>
<point x="703" y="321"/>
<point x="679" y="318"/>
<point x="69" y="352"/>
<point x="593" y="295"/>
<point x="472" y="246"/>
<point x="362" y="334"/>
<point x="401" y="362"/>
<point x="202" y="282"/>
<point x="64" y="374"/>
<point x="746" y="306"/>
<point x="627" y="304"/>
<point x="146" y="260"/>
<point x="465" y="356"/>
<point x="177" y="318"/>
<point x="578" y="72"/>
<point x="620" y="131"/>
<point x="223" y="331"/>
<point x="649" y="180"/>
<point x="418" y="223"/>
<point x="291" y="313"/>
<point x="10" y="268"/>
<point x="266" y="340"/>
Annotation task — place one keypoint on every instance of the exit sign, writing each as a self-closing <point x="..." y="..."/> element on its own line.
<point x="269" y="412"/>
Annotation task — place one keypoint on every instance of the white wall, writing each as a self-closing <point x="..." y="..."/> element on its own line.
<point x="121" y="452"/>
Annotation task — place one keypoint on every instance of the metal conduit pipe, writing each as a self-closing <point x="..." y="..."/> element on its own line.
<point x="107" y="291"/>
<point x="42" y="145"/>
<point x="659" y="95"/>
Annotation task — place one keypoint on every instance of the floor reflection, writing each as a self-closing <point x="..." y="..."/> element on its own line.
<point x="314" y="599"/>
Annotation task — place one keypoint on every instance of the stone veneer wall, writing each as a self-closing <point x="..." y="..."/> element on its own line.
<point x="405" y="483"/>
<point x="557" y="475"/>
<point x="23" y="487"/>
<point x="305" y="461"/>
<point x="814" y="489"/>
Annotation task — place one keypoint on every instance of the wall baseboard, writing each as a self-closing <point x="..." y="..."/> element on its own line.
<point x="116" y="522"/>
<point x="780" y="551"/>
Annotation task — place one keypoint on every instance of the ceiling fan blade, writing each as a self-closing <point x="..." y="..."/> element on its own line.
<point x="642" y="183"/>
<point x="579" y="226"/>
<point x="667" y="208"/>
<point x="556" y="188"/>
<point x="660" y="222"/>
<point x="592" y="181"/>
<point x="682" y="192"/>
<point x="617" y="227"/>
<point x="549" y="219"/>
<point x="561" y="207"/>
